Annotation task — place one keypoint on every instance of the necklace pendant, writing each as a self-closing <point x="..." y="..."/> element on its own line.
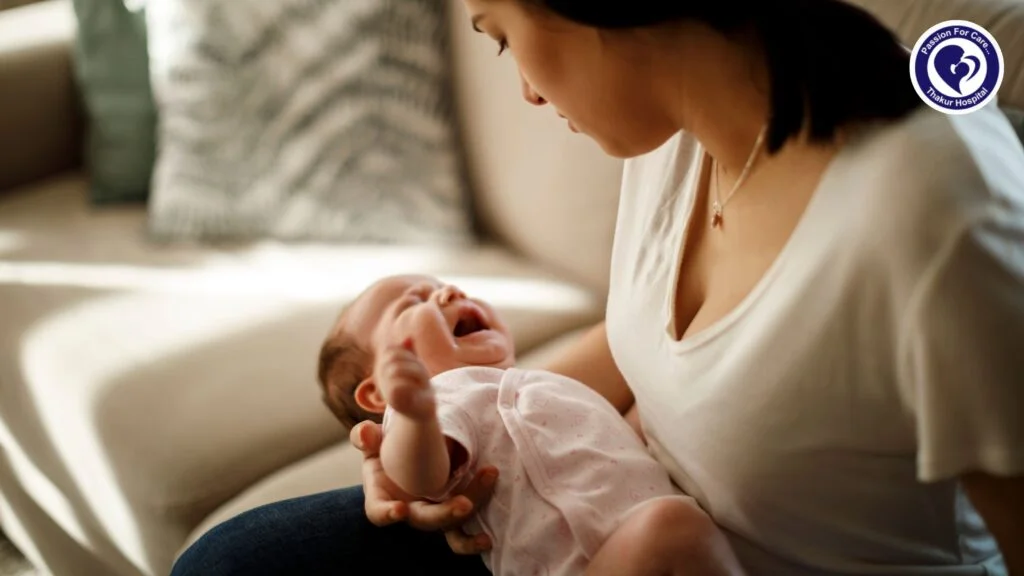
<point x="716" y="215"/>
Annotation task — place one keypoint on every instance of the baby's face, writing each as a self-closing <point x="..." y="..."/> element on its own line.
<point x="448" y="329"/>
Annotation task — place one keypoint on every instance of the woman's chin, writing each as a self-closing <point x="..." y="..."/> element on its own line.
<point x="617" y="150"/>
<point x="626" y="148"/>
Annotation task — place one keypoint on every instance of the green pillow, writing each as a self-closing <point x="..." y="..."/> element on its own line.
<point x="112" y="69"/>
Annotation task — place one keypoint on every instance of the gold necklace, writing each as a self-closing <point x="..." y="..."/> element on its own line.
<point x="718" y="208"/>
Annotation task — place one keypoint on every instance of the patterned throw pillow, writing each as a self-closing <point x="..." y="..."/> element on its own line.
<point x="304" y="120"/>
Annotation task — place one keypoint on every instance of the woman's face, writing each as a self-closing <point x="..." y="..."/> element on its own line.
<point x="600" y="81"/>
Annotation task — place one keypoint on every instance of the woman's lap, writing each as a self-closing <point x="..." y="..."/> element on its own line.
<point x="323" y="534"/>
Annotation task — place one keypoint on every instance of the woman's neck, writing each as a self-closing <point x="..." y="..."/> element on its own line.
<point x="718" y="89"/>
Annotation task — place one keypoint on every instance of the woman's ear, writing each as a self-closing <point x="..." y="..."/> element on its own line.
<point x="369" y="398"/>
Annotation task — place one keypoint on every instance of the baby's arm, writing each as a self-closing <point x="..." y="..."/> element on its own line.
<point x="414" y="453"/>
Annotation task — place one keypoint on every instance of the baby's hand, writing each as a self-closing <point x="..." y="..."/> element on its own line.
<point x="405" y="383"/>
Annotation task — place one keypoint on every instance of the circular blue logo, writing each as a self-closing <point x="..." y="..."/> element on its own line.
<point x="957" y="67"/>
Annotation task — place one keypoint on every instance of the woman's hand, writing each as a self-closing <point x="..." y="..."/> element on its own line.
<point x="387" y="504"/>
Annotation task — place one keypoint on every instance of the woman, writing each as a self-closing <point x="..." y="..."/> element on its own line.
<point x="816" y="304"/>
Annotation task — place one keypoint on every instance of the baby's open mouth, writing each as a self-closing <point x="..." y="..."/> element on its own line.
<point x="470" y="322"/>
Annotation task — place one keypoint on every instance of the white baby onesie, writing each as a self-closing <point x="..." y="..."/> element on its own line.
<point x="570" y="467"/>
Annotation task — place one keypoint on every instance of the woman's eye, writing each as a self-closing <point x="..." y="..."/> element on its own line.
<point x="502" y="46"/>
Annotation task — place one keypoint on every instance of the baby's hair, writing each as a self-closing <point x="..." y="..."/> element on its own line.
<point x="342" y="366"/>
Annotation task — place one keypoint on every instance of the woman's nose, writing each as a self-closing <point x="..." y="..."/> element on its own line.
<point x="531" y="95"/>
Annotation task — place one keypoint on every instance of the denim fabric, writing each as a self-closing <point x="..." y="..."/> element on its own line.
<point x="323" y="534"/>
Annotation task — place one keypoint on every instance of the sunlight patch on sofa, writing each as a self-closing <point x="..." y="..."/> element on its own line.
<point x="296" y="285"/>
<point x="45" y="494"/>
<point x="74" y="358"/>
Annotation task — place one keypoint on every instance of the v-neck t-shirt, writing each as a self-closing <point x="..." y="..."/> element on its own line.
<point x="824" y="421"/>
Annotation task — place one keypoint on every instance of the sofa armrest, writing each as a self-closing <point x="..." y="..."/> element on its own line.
<point x="40" y="119"/>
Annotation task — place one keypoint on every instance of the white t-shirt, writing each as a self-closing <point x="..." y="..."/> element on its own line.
<point x="824" y="421"/>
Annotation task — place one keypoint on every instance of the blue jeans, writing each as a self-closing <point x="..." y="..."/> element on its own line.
<point x="324" y="534"/>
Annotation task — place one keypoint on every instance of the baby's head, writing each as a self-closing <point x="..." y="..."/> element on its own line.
<point x="448" y="329"/>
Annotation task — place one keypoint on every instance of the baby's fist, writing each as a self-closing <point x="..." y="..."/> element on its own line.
<point x="405" y="383"/>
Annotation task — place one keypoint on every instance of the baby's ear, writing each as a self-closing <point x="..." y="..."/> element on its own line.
<point x="369" y="398"/>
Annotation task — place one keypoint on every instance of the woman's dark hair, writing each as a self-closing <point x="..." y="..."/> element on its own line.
<point x="830" y="63"/>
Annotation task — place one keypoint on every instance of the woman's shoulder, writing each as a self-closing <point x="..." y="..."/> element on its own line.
<point x="929" y="163"/>
<point x="904" y="196"/>
<point x="918" y="183"/>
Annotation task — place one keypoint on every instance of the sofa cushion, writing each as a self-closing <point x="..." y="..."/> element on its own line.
<point x="300" y="120"/>
<point x="147" y="385"/>
<point x="39" y="123"/>
<point x="112" y="71"/>
<point x="339" y="465"/>
<point x="1003" y="18"/>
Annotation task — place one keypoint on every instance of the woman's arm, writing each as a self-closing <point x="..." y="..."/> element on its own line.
<point x="1000" y="501"/>
<point x="961" y="371"/>
<point x="590" y="361"/>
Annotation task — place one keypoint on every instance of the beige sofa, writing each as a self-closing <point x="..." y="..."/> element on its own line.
<point x="147" y="393"/>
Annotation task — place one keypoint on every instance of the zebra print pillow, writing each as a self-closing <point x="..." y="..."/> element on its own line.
<point x="304" y="120"/>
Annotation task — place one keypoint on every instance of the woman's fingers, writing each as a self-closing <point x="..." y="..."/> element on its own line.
<point x="462" y="543"/>
<point x="481" y="488"/>
<point x="366" y="436"/>
<point x="454" y="512"/>
<point x="429" y="516"/>
<point x="381" y="508"/>
<point x="478" y="493"/>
